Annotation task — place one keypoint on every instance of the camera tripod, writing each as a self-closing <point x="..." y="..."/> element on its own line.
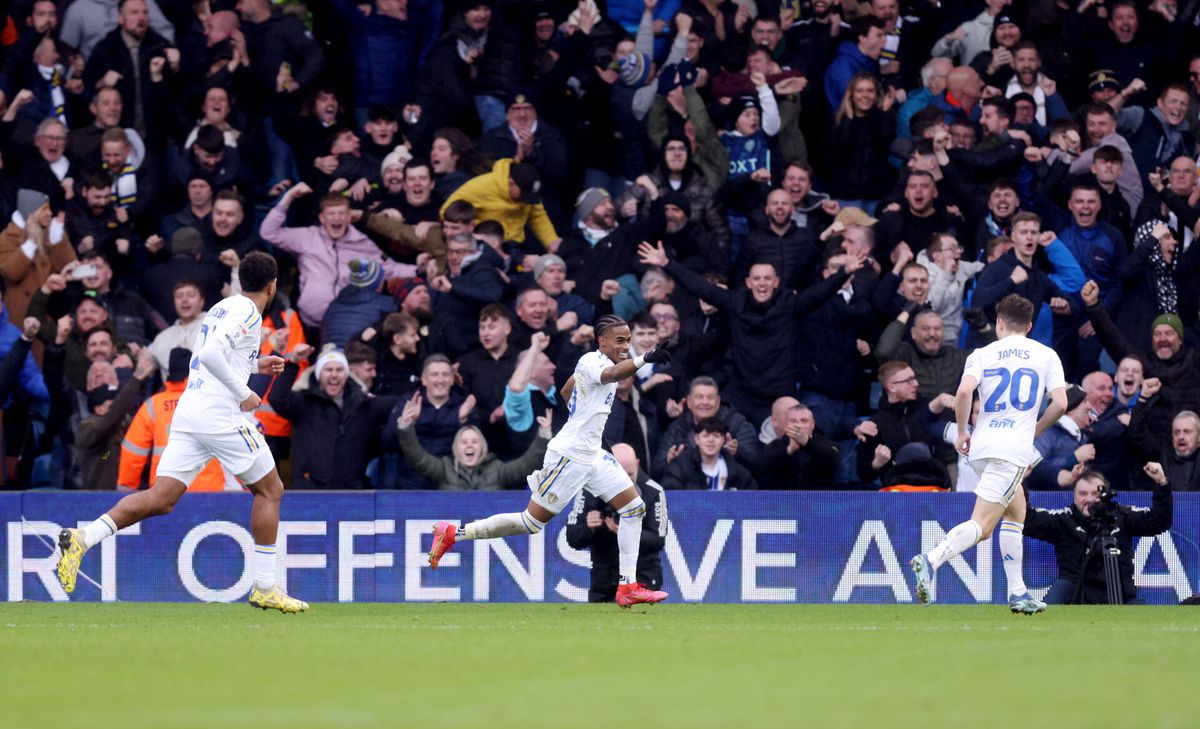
<point x="1110" y="552"/>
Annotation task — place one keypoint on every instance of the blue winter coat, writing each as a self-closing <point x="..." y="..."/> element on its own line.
<point x="354" y="309"/>
<point x="385" y="56"/>
<point x="30" y="379"/>
<point x="848" y="61"/>
<point x="1057" y="448"/>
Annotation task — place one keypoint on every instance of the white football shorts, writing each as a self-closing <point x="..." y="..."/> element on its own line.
<point x="560" y="480"/>
<point x="998" y="479"/>
<point x="242" y="452"/>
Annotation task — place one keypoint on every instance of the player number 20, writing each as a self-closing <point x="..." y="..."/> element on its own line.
<point x="1012" y="384"/>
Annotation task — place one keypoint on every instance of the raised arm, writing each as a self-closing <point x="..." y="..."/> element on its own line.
<point x="723" y="299"/>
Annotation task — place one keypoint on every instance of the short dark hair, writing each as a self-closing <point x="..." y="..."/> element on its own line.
<point x="861" y="27"/>
<point x="1026" y="45"/>
<point x="921" y="146"/>
<point x="1086" y="186"/>
<point x="359" y="352"/>
<point x="1015" y="310"/>
<point x="460" y="211"/>
<point x="1003" y="107"/>
<point x="1108" y="153"/>
<point x="188" y="282"/>
<point x="928" y="117"/>
<point x="1092" y="475"/>
<point x="643" y="321"/>
<point x="381" y="113"/>
<point x="257" y="271"/>
<point x="98" y="330"/>
<point x="417" y="163"/>
<point x="495" y="311"/>
<point x="1001" y="184"/>
<point x="230" y="195"/>
<point x="490" y="228"/>
<point x="1098" y="109"/>
<point x="210" y="139"/>
<point x="96" y="180"/>
<point x="711" y="425"/>
<point x="607" y="322"/>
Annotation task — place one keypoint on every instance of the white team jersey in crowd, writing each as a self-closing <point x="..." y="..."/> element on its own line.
<point x="207" y="405"/>
<point x="590" y="404"/>
<point x="1014" y="374"/>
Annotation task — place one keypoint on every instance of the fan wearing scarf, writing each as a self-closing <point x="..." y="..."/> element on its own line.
<point x="134" y="179"/>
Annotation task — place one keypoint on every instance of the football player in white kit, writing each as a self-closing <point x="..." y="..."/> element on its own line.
<point x="575" y="460"/>
<point x="213" y="420"/>
<point x="1012" y="375"/>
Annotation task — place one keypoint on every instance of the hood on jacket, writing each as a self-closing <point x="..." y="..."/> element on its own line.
<point x="500" y="176"/>
<point x="689" y="168"/>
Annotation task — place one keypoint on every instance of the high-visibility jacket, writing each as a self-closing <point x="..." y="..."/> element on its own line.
<point x="273" y="423"/>
<point x="146" y="440"/>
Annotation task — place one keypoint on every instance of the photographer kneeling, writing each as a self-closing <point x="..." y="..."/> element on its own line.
<point x="1083" y="532"/>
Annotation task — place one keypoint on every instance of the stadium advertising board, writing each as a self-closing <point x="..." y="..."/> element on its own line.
<point x="812" y="547"/>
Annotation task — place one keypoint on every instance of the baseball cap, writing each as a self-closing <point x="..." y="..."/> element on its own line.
<point x="528" y="180"/>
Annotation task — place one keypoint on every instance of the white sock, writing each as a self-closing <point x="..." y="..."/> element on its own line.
<point x="1012" y="552"/>
<point x="98" y="531"/>
<point x="960" y="539"/>
<point x="629" y="538"/>
<point x="501" y="525"/>
<point x="264" y="566"/>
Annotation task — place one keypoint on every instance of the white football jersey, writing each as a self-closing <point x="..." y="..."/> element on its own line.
<point x="207" y="405"/>
<point x="591" y="402"/>
<point x="1014" y="374"/>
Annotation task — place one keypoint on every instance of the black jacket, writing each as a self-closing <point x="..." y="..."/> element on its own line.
<point x="685" y="472"/>
<point x="455" y="329"/>
<point x="901" y="423"/>
<point x="681" y="431"/>
<point x="812" y="466"/>
<point x="111" y="54"/>
<point x="278" y="39"/>
<point x="1183" y="473"/>
<point x="859" y="156"/>
<point x="826" y="350"/>
<point x="1180" y="373"/>
<point x="603" y="542"/>
<point x="330" y="445"/>
<point x="795" y="254"/>
<point x="763" y="335"/>
<point x="1075" y="540"/>
<point x="994" y="283"/>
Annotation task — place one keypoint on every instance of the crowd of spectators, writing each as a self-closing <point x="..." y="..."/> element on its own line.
<point x="813" y="204"/>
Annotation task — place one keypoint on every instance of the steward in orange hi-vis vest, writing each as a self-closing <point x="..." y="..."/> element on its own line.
<point x="147" y="435"/>
<point x="274" y="424"/>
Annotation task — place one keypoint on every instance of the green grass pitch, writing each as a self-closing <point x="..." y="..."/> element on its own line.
<point x="528" y="666"/>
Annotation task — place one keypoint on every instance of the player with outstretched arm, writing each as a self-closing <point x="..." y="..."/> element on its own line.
<point x="212" y="420"/>
<point x="575" y="460"/>
<point x="1012" y="375"/>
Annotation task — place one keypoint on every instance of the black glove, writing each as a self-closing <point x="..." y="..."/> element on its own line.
<point x="975" y="317"/>
<point x="658" y="355"/>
